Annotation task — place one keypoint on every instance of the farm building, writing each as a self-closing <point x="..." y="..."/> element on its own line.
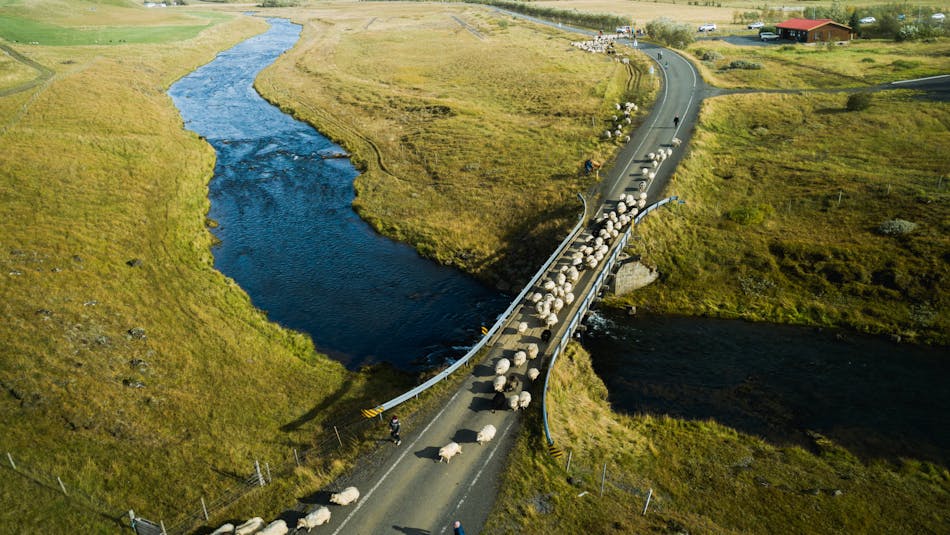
<point x="813" y="31"/>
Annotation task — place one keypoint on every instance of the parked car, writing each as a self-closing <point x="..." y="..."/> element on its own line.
<point x="756" y="25"/>
<point x="938" y="17"/>
<point x="768" y="36"/>
<point x="867" y="20"/>
<point x="707" y="28"/>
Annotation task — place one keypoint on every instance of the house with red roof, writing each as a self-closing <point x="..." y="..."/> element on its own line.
<point x="813" y="30"/>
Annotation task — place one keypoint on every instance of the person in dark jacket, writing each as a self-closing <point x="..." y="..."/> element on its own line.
<point x="459" y="530"/>
<point x="394" y="430"/>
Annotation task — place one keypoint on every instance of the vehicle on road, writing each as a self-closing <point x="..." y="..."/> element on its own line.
<point x="938" y="17"/>
<point x="756" y="25"/>
<point x="707" y="28"/>
<point x="623" y="30"/>
<point x="768" y="36"/>
<point x="867" y="20"/>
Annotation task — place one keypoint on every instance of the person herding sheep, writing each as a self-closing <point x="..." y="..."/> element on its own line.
<point x="394" y="430"/>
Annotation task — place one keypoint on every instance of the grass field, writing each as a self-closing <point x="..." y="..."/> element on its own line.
<point x="705" y="478"/>
<point x="785" y="198"/>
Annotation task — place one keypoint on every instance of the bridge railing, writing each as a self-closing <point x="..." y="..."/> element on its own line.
<point x="499" y="324"/>
<point x="587" y="302"/>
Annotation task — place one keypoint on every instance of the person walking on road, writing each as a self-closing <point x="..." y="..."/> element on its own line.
<point x="394" y="430"/>
<point x="458" y="528"/>
<point x="676" y="121"/>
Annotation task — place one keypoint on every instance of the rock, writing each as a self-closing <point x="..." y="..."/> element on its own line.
<point x="44" y="312"/>
<point x="136" y="333"/>
<point x="135" y="262"/>
<point x="837" y="492"/>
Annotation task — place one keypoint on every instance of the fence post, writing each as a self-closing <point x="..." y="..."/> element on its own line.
<point x="267" y="469"/>
<point x="649" y="495"/>
<point x="62" y="486"/>
<point x="257" y="469"/>
<point x="570" y="454"/>
<point x="11" y="460"/>
<point x="204" y="508"/>
<point x="338" y="433"/>
<point x="162" y="522"/>
<point x="603" y="478"/>
<point x="132" y="518"/>
<point x="296" y="458"/>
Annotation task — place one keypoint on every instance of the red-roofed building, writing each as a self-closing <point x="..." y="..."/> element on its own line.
<point x="813" y="31"/>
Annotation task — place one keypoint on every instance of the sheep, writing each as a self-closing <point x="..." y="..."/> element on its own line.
<point x="498" y="402"/>
<point x="548" y="285"/>
<point x="669" y="152"/>
<point x="533" y="373"/>
<point x="448" y="451"/>
<point x="486" y="434"/>
<point x="558" y="305"/>
<point x="524" y="399"/>
<point x="535" y="297"/>
<point x="520" y="357"/>
<point x="226" y="529"/>
<point x="551" y="320"/>
<point x="277" y="527"/>
<point x="251" y="526"/>
<point x="618" y="132"/>
<point x="607" y="134"/>
<point x="316" y="518"/>
<point x="514" y="384"/>
<point x="675" y="142"/>
<point x="501" y="367"/>
<point x="617" y="106"/>
<point x="348" y="496"/>
<point x="651" y="156"/>
<point x="499" y="383"/>
<point x="532" y="351"/>
<point x="513" y="402"/>
<point x="569" y="298"/>
<point x="522" y="327"/>
<point x="641" y="203"/>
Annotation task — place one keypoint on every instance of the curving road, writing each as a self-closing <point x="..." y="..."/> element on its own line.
<point x="403" y="488"/>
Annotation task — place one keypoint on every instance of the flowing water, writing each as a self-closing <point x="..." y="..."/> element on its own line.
<point x="290" y="237"/>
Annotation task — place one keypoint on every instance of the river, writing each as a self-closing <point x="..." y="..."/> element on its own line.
<point x="290" y="238"/>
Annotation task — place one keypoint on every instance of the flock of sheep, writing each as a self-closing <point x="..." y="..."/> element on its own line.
<point x="619" y="122"/>
<point x="599" y="44"/>
<point x="317" y="517"/>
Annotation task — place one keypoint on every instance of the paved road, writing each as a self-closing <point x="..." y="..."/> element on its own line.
<point x="406" y="490"/>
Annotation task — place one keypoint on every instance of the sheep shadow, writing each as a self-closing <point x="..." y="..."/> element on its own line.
<point x="411" y="531"/>
<point x="479" y="404"/>
<point x="321" y="497"/>
<point x="464" y="436"/>
<point x="482" y="387"/>
<point x="430" y="452"/>
<point x="483" y="370"/>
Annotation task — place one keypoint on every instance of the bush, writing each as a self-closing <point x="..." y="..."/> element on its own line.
<point x="896" y="227"/>
<point x="671" y="34"/>
<point x="859" y="101"/>
<point x="749" y="215"/>
<point x="710" y="55"/>
<point x="743" y="64"/>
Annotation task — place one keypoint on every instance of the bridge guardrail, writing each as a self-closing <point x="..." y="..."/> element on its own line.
<point x="499" y="324"/>
<point x="585" y="306"/>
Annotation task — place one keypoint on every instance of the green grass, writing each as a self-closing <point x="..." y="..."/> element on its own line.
<point x="785" y="195"/>
<point x="706" y="478"/>
<point x="21" y="30"/>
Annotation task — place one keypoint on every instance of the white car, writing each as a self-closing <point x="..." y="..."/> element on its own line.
<point x="756" y="25"/>
<point x="938" y="17"/>
<point x="768" y="36"/>
<point x="707" y="28"/>
<point x="867" y="20"/>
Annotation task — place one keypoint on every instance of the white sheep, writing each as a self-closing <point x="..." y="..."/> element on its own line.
<point x="524" y="399"/>
<point x="522" y="327"/>
<point x="535" y="297"/>
<point x="499" y="383"/>
<point x="316" y="518"/>
<point x="226" y="529"/>
<point x="251" y="526"/>
<point x="448" y="451"/>
<point x="641" y="203"/>
<point x="569" y="298"/>
<point x="669" y="152"/>
<point x="533" y="373"/>
<point x="513" y="402"/>
<point x="486" y="434"/>
<point x="607" y="134"/>
<point x="643" y="195"/>
<point x="532" y="351"/>
<point x="548" y="285"/>
<point x="501" y="367"/>
<point x="675" y="142"/>
<point x="520" y="358"/>
<point x="558" y="305"/>
<point x="560" y="279"/>
<point x="346" y="497"/>
<point x="551" y="320"/>
<point x="277" y="527"/>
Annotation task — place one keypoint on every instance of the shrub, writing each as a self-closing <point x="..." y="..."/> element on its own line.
<point x="711" y="55"/>
<point x="669" y="33"/>
<point x="896" y="227"/>
<point x="859" y="101"/>
<point x="743" y="64"/>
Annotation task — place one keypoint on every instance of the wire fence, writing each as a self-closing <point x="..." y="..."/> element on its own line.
<point x="603" y="480"/>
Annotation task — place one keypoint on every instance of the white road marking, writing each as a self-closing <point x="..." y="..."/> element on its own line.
<point x="921" y="79"/>
<point x="393" y="467"/>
